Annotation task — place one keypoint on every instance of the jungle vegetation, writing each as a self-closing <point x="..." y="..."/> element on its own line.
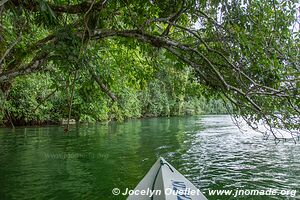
<point x="115" y="59"/>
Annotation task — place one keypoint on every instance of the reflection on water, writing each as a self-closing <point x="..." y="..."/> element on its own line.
<point x="88" y="162"/>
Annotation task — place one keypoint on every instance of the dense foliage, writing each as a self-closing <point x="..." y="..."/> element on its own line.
<point x="36" y="99"/>
<point x="102" y="59"/>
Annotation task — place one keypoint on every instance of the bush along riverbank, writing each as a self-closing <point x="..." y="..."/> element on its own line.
<point x="37" y="100"/>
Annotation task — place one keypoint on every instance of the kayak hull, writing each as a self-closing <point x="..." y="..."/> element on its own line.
<point x="164" y="182"/>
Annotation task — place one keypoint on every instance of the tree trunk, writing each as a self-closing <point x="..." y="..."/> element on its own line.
<point x="71" y="101"/>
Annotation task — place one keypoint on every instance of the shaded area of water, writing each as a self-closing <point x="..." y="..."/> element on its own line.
<point x="88" y="162"/>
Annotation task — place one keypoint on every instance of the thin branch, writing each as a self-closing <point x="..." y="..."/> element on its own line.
<point x="71" y="101"/>
<point x="103" y="87"/>
<point x="2" y="2"/>
<point x="7" y="52"/>
<point x="45" y="99"/>
<point x="34" y="66"/>
<point x="174" y="18"/>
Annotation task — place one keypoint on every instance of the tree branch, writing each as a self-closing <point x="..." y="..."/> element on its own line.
<point x="103" y="87"/>
<point x="2" y="2"/>
<point x="7" y="52"/>
<point x="34" y="66"/>
<point x="45" y="99"/>
<point x="174" y="18"/>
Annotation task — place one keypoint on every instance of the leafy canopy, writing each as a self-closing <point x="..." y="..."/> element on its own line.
<point x="246" y="52"/>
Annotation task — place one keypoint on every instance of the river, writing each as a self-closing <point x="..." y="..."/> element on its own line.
<point x="91" y="160"/>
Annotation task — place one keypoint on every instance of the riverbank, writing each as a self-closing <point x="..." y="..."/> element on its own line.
<point x="59" y="122"/>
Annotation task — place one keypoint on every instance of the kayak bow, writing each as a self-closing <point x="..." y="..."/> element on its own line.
<point x="164" y="182"/>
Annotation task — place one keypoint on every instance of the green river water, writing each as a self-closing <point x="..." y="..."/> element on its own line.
<point x="91" y="160"/>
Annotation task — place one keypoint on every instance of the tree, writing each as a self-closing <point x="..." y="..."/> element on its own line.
<point x="246" y="52"/>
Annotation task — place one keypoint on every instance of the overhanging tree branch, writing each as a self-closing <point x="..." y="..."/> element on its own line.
<point x="7" y="52"/>
<point x="102" y="86"/>
<point x="2" y="2"/>
<point x="34" y="66"/>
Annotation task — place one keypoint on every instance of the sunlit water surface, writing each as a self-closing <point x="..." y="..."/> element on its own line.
<point x="91" y="160"/>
